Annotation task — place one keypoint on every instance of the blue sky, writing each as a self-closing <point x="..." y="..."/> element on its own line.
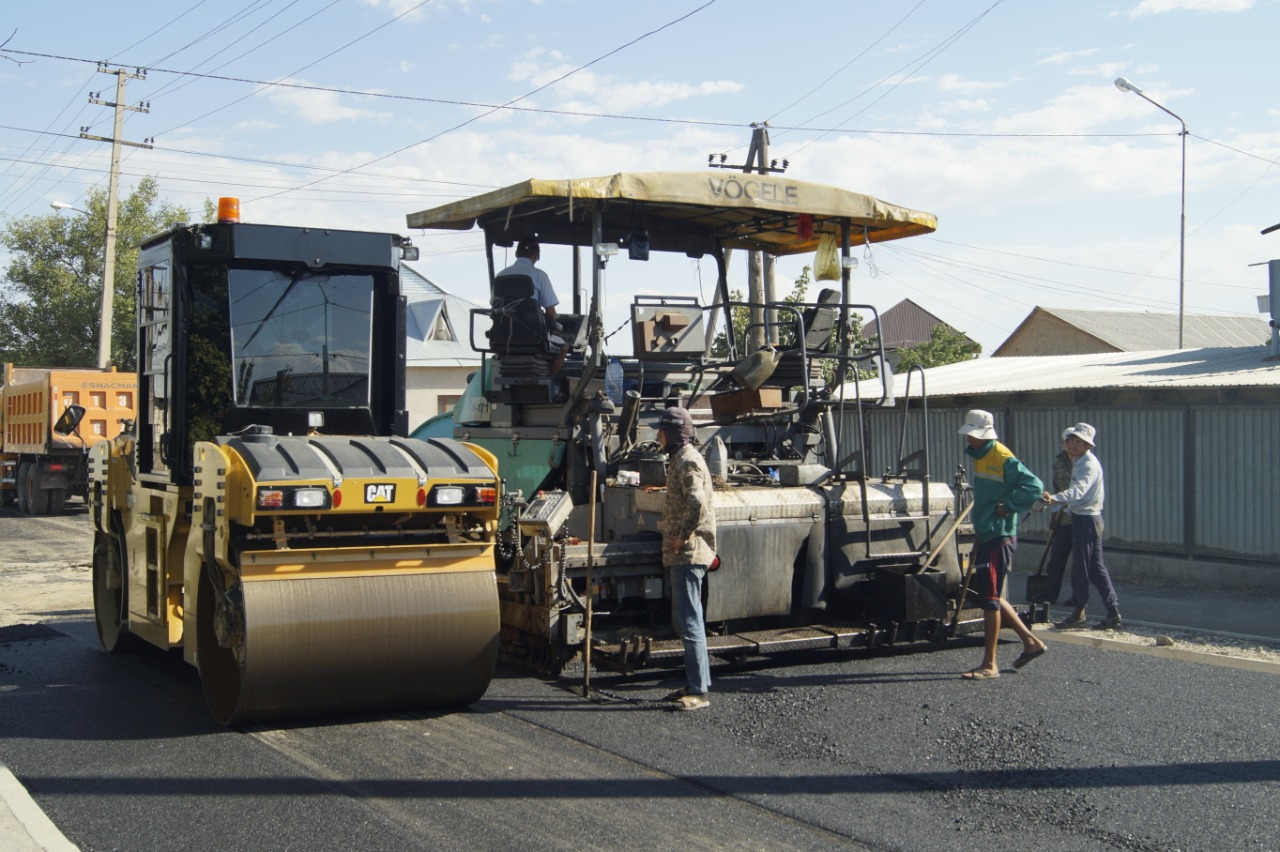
<point x="1051" y="186"/>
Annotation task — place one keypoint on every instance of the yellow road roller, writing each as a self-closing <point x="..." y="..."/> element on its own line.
<point x="261" y="512"/>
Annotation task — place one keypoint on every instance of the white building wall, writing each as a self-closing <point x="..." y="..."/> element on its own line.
<point x="425" y="387"/>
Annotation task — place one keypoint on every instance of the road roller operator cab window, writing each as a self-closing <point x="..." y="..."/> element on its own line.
<point x="300" y="340"/>
<point x="259" y="325"/>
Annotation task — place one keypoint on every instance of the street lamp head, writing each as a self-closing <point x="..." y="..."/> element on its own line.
<point x="1125" y="86"/>
<point x="62" y="205"/>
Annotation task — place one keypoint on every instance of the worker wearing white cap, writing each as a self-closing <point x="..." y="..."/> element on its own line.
<point x="1084" y="497"/>
<point x="1059" y="543"/>
<point x="1003" y="488"/>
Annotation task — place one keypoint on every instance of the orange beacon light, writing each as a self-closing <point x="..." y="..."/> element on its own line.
<point x="228" y="209"/>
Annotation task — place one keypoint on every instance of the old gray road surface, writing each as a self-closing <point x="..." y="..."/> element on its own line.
<point x="1083" y="749"/>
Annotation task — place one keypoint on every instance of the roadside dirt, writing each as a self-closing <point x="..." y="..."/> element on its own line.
<point x="45" y="566"/>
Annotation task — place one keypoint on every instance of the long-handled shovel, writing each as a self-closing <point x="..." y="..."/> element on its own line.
<point x="964" y="591"/>
<point x="1036" y="591"/>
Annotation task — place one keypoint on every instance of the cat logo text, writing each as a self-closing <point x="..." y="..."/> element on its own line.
<point x="380" y="493"/>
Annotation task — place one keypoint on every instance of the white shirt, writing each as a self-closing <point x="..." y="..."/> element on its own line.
<point x="543" y="292"/>
<point x="1084" y="496"/>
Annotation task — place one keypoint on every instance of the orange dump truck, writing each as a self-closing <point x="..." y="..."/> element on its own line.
<point x="40" y="468"/>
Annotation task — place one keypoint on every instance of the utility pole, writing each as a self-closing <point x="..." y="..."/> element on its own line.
<point x="109" y="250"/>
<point x="760" y="281"/>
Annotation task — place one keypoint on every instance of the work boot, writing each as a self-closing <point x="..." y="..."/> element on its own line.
<point x="1111" y="622"/>
<point x="693" y="701"/>
<point x="1074" y="621"/>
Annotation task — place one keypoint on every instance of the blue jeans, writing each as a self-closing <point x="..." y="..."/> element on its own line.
<point x="686" y="618"/>
<point x="1060" y="550"/>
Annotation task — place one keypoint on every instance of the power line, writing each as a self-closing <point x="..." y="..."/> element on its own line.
<point x="1057" y="286"/>
<point x="314" y="62"/>
<point x="175" y="86"/>
<point x="510" y="106"/>
<point x="347" y="189"/>
<point x="918" y="63"/>
<point x="544" y="86"/>
<point x="281" y="163"/>
<point x="16" y="185"/>
<point x="236" y="17"/>
<point x="1076" y="265"/>
<point x="19" y="188"/>
<point x="1274" y="161"/>
<point x="841" y="69"/>
<point x="162" y="28"/>
<point x="242" y="14"/>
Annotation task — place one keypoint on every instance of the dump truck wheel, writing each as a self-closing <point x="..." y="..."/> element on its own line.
<point x="110" y="595"/>
<point x="57" y="500"/>
<point x="20" y="483"/>
<point x="37" y="498"/>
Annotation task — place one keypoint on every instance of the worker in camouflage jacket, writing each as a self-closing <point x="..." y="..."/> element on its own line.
<point x="688" y="548"/>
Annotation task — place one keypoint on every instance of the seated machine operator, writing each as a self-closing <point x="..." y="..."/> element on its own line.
<point x="528" y="252"/>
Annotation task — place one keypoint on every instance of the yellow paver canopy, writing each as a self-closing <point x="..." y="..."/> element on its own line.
<point x="680" y="211"/>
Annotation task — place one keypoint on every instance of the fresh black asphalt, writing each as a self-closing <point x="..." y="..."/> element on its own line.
<point x="1083" y="749"/>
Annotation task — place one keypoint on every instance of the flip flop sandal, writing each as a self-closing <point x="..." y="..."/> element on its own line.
<point x="979" y="674"/>
<point x="1028" y="656"/>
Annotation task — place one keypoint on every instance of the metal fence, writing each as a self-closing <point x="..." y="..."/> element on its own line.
<point x="1180" y="480"/>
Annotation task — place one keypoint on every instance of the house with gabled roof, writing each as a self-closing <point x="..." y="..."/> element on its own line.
<point x="438" y="352"/>
<point x="1068" y="331"/>
<point x="904" y="326"/>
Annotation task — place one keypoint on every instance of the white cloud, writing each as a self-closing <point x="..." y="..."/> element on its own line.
<point x="531" y="67"/>
<point x="590" y="92"/>
<point x="1159" y="7"/>
<point x="405" y="66"/>
<point x="1102" y="69"/>
<point x="636" y="96"/>
<point x="954" y="83"/>
<point x="969" y="105"/>
<point x="399" y="7"/>
<point x="1066" y="55"/>
<point x="317" y="107"/>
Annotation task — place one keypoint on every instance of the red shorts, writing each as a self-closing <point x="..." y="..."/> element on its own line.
<point x="991" y="563"/>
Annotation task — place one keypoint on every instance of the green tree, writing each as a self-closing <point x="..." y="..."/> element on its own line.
<point x="945" y="346"/>
<point x="51" y="294"/>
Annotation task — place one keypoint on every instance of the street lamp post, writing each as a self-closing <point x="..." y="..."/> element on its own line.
<point x="108" y="289"/>
<point x="1125" y="86"/>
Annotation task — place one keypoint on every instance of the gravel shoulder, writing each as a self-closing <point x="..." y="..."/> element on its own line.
<point x="45" y="566"/>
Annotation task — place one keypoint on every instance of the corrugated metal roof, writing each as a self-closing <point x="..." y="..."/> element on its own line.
<point x="1177" y="368"/>
<point x="429" y="306"/>
<point x="1135" y="331"/>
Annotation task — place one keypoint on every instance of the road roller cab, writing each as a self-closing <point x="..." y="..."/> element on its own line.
<point x="262" y="513"/>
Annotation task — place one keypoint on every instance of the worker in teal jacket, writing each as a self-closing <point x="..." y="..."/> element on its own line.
<point x="1002" y="489"/>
